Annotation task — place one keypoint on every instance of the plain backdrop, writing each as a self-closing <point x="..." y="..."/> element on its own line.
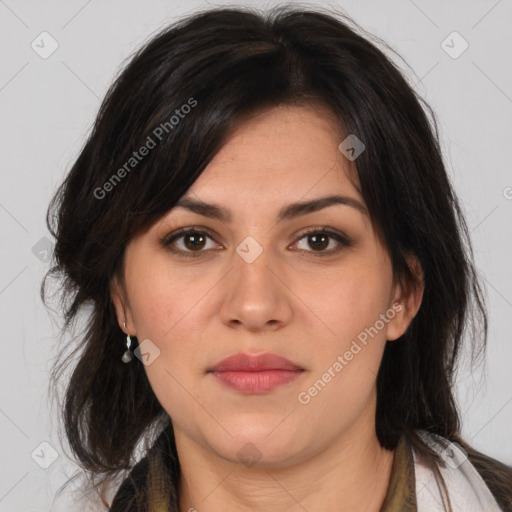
<point x="47" y="107"/>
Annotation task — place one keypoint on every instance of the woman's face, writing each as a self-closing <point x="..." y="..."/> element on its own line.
<point x="253" y="283"/>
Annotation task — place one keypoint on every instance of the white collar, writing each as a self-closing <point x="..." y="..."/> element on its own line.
<point x="467" y="490"/>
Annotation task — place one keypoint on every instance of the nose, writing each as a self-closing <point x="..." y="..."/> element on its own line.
<point x="256" y="296"/>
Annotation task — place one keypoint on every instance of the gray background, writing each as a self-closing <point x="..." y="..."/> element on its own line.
<point x="48" y="105"/>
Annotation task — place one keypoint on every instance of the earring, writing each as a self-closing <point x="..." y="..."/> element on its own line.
<point x="127" y="356"/>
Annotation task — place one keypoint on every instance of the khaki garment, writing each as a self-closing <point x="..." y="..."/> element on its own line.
<point x="401" y="495"/>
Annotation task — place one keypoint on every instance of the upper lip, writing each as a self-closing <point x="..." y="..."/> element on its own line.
<point x="252" y="363"/>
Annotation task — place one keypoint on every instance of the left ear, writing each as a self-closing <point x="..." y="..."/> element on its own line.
<point x="409" y="299"/>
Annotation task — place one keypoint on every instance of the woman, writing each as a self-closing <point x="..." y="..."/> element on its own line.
<point x="261" y="216"/>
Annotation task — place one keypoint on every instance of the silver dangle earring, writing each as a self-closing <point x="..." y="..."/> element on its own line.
<point x="127" y="356"/>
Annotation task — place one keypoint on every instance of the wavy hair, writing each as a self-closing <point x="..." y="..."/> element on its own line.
<point x="233" y="62"/>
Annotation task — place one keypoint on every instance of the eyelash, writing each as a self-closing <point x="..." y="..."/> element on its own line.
<point x="344" y="241"/>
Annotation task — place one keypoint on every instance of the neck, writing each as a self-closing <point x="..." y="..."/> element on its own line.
<point x="352" y="475"/>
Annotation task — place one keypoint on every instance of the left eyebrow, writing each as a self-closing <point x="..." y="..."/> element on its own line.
<point x="289" y="211"/>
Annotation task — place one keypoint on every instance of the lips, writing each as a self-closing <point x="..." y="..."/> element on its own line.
<point x="250" y="375"/>
<point x="254" y="363"/>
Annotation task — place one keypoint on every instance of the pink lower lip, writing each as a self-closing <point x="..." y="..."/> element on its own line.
<point x="252" y="383"/>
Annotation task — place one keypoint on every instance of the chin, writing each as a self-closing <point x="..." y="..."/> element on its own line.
<point x="254" y="447"/>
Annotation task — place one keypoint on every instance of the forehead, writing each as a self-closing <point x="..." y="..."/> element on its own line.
<point x="282" y="155"/>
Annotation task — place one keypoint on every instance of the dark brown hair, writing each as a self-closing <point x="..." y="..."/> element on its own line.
<point x="231" y="63"/>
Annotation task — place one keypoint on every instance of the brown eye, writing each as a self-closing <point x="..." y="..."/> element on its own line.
<point x="319" y="239"/>
<point x="193" y="241"/>
<point x="187" y="242"/>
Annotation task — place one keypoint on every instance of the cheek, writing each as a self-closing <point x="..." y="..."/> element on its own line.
<point x="350" y="352"/>
<point x="344" y="306"/>
<point x="167" y="307"/>
<point x="162" y="298"/>
<point x="163" y="311"/>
